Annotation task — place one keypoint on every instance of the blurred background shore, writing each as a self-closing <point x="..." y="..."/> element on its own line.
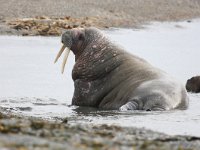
<point x="46" y="17"/>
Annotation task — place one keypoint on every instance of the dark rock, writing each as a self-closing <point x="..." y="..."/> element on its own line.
<point x="37" y="124"/>
<point x="65" y="120"/>
<point x="193" y="84"/>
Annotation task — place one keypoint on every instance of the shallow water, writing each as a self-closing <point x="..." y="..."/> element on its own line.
<point x="30" y="84"/>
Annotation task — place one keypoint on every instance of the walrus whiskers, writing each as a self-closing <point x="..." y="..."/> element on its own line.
<point x="65" y="56"/>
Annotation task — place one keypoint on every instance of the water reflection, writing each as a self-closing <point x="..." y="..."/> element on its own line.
<point x="91" y="111"/>
<point x="171" y="122"/>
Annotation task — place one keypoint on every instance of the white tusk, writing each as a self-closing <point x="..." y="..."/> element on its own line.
<point x="60" y="52"/>
<point x="65" y="59"/>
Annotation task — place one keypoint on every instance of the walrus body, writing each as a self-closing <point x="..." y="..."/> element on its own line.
<point x="108" y="77"/>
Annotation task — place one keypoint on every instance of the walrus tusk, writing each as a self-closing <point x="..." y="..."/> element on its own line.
<point x="65" y="59"/>
<point x="65" y="56"/>
<point x="60" y="52"/>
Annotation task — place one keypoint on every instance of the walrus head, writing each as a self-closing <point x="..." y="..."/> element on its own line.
<point x="71" y="40"/>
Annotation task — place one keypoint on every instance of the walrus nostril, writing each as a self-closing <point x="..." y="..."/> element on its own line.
<point x="62" y="39"/>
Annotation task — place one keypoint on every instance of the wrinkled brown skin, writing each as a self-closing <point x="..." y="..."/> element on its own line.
<point x="193" y="84"/>
<point x="107" y="77"/>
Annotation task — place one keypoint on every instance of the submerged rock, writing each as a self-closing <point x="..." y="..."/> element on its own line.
<point x="193" y="84"/>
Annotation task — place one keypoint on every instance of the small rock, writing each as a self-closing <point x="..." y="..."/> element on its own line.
<point x="44" y="28"/>
<point x="25" y="34"/>
<point x="54" y="32"/>
<point x="67" y="17"/>
<point x="75" y="25"/>
<point x="41" y="17"/>
<point x="64" y="120"/>
<point x="37" y="124"/>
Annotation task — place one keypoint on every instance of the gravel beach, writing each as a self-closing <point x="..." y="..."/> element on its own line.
<point x="51" y="17"/>
<point x="22" y="133"/>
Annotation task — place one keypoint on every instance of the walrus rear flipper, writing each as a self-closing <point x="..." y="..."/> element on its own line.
<point x="131" y="105"/>
<point x="152" y="102"/>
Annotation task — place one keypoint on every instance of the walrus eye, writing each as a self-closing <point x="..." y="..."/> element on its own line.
<point x="81" y="36"/>
<point x="65" y="56"/>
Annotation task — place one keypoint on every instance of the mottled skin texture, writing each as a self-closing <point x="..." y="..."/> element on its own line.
<point x="193" y="84"/>
<point x="108" y="77"/>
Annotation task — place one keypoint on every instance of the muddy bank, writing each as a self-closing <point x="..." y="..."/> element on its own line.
<point x="40" y="17"/>
<point x="30" y="133"/>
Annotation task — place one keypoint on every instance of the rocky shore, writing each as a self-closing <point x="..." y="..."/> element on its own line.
<point x="22" y="133"/>
<point x="50" y="18"/>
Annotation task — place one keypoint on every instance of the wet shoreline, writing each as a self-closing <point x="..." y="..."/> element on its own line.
<point x="30" y="133"/>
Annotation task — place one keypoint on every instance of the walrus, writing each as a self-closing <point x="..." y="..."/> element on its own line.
<point x="109" y="78"/>
<point x="193" y="84"/>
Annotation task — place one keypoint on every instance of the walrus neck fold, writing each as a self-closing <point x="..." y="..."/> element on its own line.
<point x="96" y="61"/>
<point x="77" y="50"/>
